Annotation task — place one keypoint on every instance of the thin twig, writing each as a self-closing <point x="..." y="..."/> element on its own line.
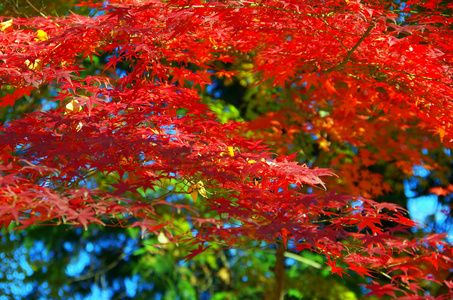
<point x="102" y="271"/>
<point x="418" y="76"/>
<point x="39" y="12"/>
<point x="349" y="54"/>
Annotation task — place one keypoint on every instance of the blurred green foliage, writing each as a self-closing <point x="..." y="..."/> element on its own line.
<point x="33" y="8"/>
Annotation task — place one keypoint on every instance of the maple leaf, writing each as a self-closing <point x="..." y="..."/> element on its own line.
<point x="88" y="101"/>
<point x="148" y="225"/>
<point x="382" y="290"/>
<point x="329" y="86"/>
<point x="335" y="269"/>
<point x="9" y="99"/>
<point x="195" y="252"/>
<point x="310" y="79"/>
<point x="441" y="131"/>
<point x="122" y="187"/>
<point x="360" y="270"/>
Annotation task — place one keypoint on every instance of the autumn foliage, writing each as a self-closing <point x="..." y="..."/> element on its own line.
<point x="371" y="75"/>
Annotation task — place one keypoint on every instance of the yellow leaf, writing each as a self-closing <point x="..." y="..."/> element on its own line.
<point x="36" y="65"/>
<point x="200" y="189"/>
<point x="194" y="195"/>
<point x="162" y="238"/>
<point x="224" y="275"/>
<point x="195" y="189"/>
<point x="6" y="26"/>
<point x="230" y="151"/>
<point x="323" y="144"/>
<point x="41" y="35"/>
<point x="79" y="126"/>
<point x="193" y="192"/>
<point x="72" y="106"/>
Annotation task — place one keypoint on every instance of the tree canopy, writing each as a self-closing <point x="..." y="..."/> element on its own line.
<point x="212" y="125"/>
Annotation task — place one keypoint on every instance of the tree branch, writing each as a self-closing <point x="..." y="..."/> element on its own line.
<point x="279" y="272"/>
<point x="349" y="54"/>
